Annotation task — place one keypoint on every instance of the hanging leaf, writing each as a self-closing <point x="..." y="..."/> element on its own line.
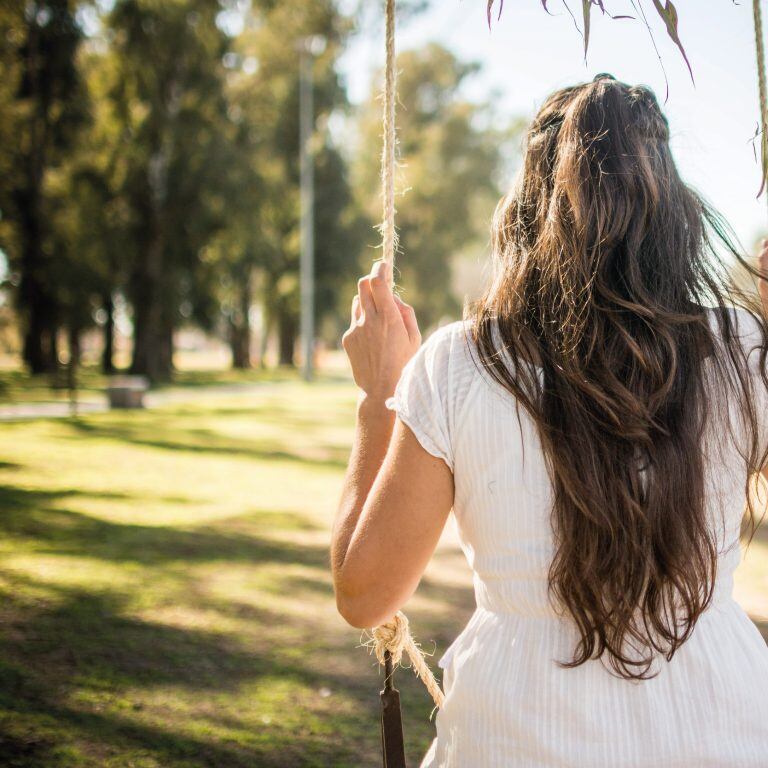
<point x="665" y="9"/>
<point x="501" y="7"/>
<point x="668" y="13"/>
<point x="763" y="160"/>
<point x="586" y="9"/>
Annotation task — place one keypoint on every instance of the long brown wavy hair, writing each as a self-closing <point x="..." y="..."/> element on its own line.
<point x="597" y="322"/>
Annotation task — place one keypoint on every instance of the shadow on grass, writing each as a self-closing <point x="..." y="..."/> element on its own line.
<point x="35" y="514"/>
<point x="84" y="642"/>
<point x="159" y="433"/>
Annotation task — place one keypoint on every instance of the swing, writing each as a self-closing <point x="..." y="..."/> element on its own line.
<point x="392" y="639"/>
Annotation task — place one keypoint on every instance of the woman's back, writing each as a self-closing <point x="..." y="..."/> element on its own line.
<point x="509" y="701"/>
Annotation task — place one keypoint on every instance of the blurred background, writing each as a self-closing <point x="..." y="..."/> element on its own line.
<point x="189" y="191"/>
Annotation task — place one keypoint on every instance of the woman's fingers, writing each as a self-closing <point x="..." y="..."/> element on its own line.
<point x="409" y="319"/>
<point x="382" y="293"/>
<point x="355" y="310"/>
<point x="365" y="295"/>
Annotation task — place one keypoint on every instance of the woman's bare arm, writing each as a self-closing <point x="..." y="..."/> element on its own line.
<point x="384" y="539"/>
<point x="396" y="496"/>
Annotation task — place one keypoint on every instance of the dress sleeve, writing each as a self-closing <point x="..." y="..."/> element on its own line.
<point x="421" y="396"/>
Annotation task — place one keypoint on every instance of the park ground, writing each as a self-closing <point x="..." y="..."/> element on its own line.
<point x="166" y="599"/>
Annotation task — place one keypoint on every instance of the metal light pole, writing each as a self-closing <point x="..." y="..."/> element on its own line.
<point x="309" y="47"/>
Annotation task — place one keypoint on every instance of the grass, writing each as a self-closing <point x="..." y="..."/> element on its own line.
<point x="165" y="595"/>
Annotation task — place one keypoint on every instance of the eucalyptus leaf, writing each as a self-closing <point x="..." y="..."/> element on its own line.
<point x="668" y="13"/>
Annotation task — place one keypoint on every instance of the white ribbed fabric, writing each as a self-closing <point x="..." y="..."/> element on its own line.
<point x="508" y="703"/>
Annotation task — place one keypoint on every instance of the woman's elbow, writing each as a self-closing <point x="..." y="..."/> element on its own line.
<point x="361" y="611"/>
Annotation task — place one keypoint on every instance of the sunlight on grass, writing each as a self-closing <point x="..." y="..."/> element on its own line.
<point x="167" y="600"/>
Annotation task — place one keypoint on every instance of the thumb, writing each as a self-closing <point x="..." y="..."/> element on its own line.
<point x="409" y="319"/>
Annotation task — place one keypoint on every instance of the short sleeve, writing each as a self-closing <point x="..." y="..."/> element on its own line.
<point x="421" y="395"/>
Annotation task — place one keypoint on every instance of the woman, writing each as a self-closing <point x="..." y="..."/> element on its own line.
<point x="593" y="424"/>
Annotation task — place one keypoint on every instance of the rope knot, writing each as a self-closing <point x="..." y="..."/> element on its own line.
<point x="394" y="636"/>
<point x="391" y="637"/>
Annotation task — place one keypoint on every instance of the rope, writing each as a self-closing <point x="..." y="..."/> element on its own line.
<point x="395" y="637"/>
<point x="759" y="47"/>
<point x="388" y="166"/>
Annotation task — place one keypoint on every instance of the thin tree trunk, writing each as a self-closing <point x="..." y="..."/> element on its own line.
<point x="240" y="328"/>
<point x="287" y="328"/>
<point x="266" y="328"/>
<point x="108" y="353"/>
<point x="75" y="349"/>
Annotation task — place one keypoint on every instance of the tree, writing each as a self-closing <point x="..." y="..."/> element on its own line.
<point x="264" y="219"/>
<point x="42" y="98"/>
<point x="168" y="98"/>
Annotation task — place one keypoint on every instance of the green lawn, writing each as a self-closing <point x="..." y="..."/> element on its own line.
<point x="166" y="599"/>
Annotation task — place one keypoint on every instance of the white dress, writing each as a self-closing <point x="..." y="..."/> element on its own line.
<point x="508" y="703"/>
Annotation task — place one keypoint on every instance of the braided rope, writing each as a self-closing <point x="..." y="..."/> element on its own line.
<point x="761" y="79"/>
<point x="395" y="637"/>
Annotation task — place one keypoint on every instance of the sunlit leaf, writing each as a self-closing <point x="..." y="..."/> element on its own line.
<point x="668" y="13"/>
<point x="586" y="10"/>
<point x="501" y="7"/>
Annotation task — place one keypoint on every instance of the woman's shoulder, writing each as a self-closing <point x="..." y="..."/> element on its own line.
<point x="450" y="346"/>
<point x="447" y="333"/>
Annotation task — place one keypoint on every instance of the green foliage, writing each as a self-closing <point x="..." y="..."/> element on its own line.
<point x="167" y="98"/>
<point x="262" y="233"/>
<point x="159" y="162"/>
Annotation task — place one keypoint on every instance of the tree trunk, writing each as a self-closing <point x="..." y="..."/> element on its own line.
<point x="154" y="293"/>
<point x="266" y="328"/>
<point x="287" y="328"/>
<point x="240" y="328"/>
<point x="239" y="343"/>
<point x="153" y="331"/>
<point x="40" y="352"/>
<point x="166" y="347"/>
<point x="107" y="354"/>
<point x="153" y="341"/>
<point x="73" y="339"/>
<point x="36" y="304"/>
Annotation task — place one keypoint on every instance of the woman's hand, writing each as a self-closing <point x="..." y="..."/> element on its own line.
<point x="383" y="334"/>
